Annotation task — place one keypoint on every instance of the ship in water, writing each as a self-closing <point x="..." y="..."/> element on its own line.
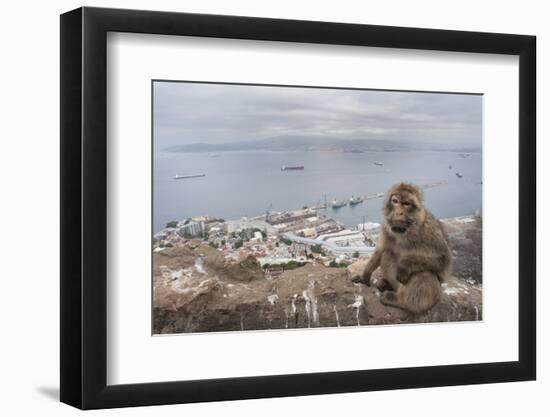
<point x="379" y="163"/>
<point x="184" y="177"/>
<point x="292" y="168"/>
<point x="337" y="204"/>
<point x="355" y="200"/>
<point x="459" y="175"/>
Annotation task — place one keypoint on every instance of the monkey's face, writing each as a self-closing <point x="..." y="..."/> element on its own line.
<point x="403" y="212"/>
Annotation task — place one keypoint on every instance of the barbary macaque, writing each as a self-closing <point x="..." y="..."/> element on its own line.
<point x="412" y="251"/>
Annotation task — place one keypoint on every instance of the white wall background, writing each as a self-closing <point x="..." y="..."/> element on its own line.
<point x="29" y="220"/>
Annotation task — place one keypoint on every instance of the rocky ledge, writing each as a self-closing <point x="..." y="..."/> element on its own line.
<point x="196" y="289"/>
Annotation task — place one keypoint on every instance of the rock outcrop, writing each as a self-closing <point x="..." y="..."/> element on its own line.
<point x="196" y="289"/>
<point x="465" y="237"/>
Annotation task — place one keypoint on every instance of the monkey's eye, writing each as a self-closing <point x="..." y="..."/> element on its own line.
<point x="406" y="204"/>
<point x="394" y="201"/>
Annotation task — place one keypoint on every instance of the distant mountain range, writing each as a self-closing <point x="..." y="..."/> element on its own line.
<point x="318" y="144"/>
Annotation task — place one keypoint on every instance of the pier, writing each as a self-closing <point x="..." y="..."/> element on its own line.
<point x="361" y="198"/>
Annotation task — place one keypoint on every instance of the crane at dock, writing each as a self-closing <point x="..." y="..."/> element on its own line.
<point x="324" y="205"/>
<point x="267" y="212"/>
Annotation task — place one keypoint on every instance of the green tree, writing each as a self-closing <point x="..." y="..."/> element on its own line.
<point x="292" y="265"/>
<point x="317" y="249"/>
<point x="285" y="241"/>
<point x="172" y="224"/>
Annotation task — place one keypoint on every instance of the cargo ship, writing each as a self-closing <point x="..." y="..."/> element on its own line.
<point x="337" y="204"/>
<point x="292" y="168"/>
<point x="184" y="177"/>
<point x="379" y="163"/>
<point x="355" y="200"/>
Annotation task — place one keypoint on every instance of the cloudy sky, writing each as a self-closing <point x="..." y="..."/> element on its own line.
<point x="187" y="113"/>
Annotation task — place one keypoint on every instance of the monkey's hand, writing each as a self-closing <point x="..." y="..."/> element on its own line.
<point x="384" y="284"/>
<point x="403" y="273"/>
<point x="389" y="298"/>
<point x="362" y="279"/>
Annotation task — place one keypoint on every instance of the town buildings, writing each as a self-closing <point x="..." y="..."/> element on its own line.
<point x="278" y="240"/>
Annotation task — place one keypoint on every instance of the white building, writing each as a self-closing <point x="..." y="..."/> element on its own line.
<point x="365" y="227"/>
<point x="232" y="226"/>
<point x="192" y="229"/>
<point x="344" y="237"/>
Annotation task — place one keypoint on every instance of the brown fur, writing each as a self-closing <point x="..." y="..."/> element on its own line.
<point x="412" y="252"/>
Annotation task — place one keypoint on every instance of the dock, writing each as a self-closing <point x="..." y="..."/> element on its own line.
<point x="375" y="196"/>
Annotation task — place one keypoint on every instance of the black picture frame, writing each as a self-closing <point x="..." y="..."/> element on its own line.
<point x="84" y="207"/>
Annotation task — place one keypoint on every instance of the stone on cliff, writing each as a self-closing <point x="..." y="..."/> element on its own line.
<point x="465" y="239"/>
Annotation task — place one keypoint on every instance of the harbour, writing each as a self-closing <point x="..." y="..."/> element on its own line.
<point x="241" y="184"/>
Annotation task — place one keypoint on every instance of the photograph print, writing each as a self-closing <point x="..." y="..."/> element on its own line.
<point x="290" y="207"/>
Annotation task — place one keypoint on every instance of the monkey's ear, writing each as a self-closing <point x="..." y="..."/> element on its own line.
<point x="414" y="189"/>
<point x="387" y="202"/>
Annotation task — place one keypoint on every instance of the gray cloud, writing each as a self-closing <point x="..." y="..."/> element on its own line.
<point x="187" y="113"/>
